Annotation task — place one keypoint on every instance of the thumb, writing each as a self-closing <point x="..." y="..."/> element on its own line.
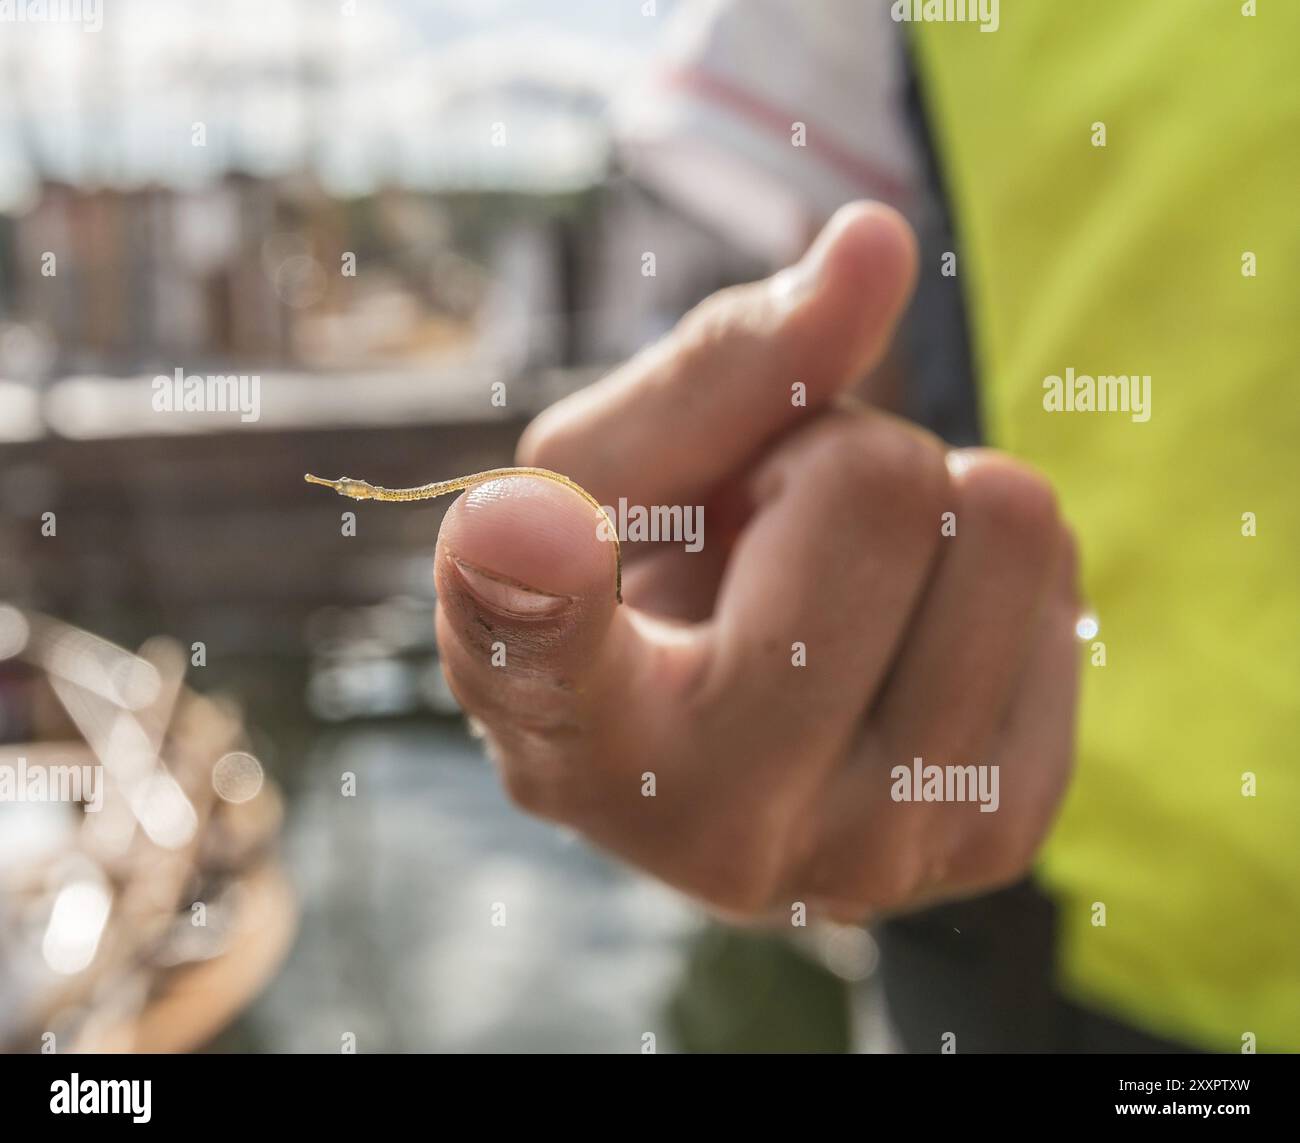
<point x="688" y="411"/>
<point x="527" y="616"/>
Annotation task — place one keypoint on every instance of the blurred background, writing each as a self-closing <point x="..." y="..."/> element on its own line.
<point x="186" y="187"/>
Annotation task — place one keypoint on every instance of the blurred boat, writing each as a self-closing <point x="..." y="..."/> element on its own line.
<point x="142" y="904"/>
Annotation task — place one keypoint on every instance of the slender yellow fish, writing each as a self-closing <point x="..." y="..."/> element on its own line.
<point x="363" y="490"/>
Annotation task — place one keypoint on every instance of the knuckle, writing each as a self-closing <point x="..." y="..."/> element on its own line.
<point x="872" y="459"/>
<point x="902" y="467"/>
<point x="872" y="452"/>
<point x="884" y="873"/>
<point x="725" y="321"/>
<point x="715" y="317"/>
<point x="1018" y="504"/>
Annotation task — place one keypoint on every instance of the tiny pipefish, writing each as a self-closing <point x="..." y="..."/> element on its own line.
<point x="364" y="490"/>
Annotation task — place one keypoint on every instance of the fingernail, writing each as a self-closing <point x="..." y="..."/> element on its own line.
<point x="508" y="597"/>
